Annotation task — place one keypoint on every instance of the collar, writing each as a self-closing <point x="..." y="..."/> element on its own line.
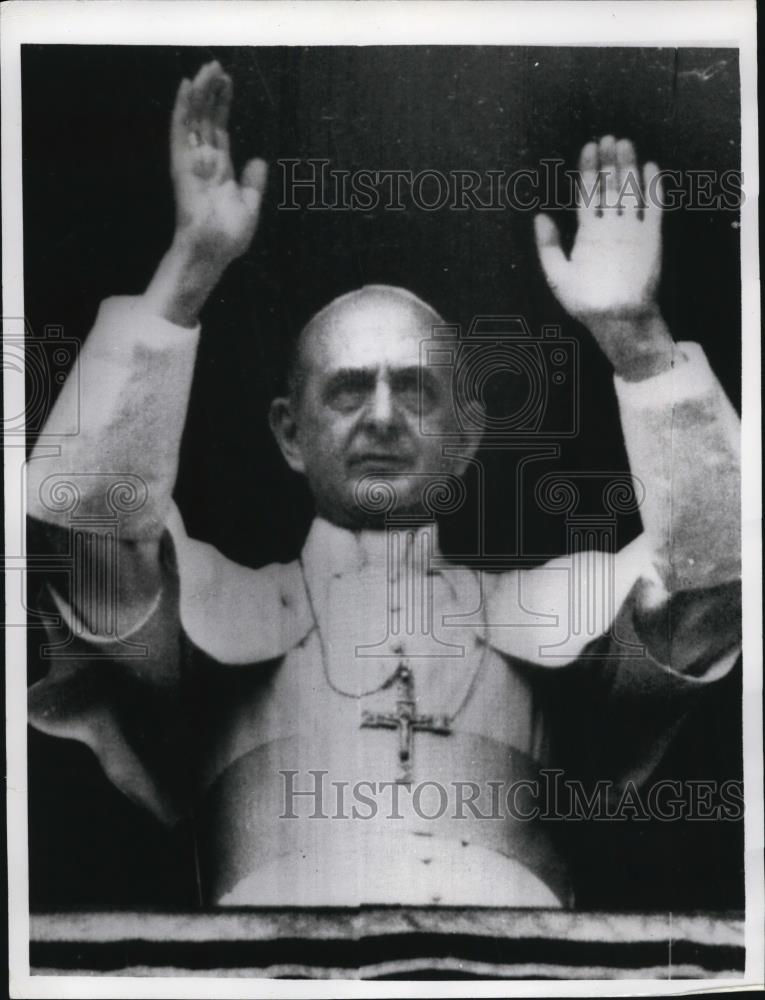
<point x="331" y="551"/>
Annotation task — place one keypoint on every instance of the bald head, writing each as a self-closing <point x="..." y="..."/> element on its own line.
<point x="351" y="320"/>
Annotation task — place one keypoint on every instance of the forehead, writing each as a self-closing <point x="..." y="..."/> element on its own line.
<point x="370" y="335"/>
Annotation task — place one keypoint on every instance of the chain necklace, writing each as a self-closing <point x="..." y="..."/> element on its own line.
<point x="402" y="671"/>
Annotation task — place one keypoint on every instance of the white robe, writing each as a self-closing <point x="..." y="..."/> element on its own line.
<point x="275" y="648"/>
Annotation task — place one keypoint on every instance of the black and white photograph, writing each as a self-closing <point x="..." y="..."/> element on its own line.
<point x="377" y="499"/>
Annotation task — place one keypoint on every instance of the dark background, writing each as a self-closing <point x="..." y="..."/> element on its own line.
<point x="98" y="214"/>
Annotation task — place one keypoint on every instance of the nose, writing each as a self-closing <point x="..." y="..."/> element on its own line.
<point x="382" y="401"/>
<point x="381" y="409"/>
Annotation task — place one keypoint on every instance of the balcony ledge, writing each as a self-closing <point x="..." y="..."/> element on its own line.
<point x="390" y="943"/>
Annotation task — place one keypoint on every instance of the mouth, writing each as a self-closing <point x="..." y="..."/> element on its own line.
<point x="380" y="462"/>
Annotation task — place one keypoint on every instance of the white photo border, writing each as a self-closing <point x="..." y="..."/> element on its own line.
<point x="710" y="23"/>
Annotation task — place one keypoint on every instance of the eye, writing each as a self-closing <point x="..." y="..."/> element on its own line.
<point x="346" y="400"/>
<point x="414" y="390"/>
<point x="347" y="391"/>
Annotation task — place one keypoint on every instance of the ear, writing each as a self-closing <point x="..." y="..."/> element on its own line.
<point x="462" y="456"/>
<point x="470" y="440"/>
<point x="281" y="417"/>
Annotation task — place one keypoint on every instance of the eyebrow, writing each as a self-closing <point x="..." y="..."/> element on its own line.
<point x="344" y="375"/>
<point x="363" y="380"/>
<point x="368" y="375"/>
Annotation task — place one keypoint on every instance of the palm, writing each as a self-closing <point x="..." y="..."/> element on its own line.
<point x="221" y="212"/>
<point x="215" y="205"/>
<point x="613" y="268"/>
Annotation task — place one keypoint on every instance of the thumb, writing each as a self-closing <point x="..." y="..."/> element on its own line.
<point x="551" y="256"/>
<point x="548" y="241"/>
<point x="253" y="182"/>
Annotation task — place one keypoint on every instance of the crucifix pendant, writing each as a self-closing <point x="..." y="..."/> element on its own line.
<point x="406" y="720"/>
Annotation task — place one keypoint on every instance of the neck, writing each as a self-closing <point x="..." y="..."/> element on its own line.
<point x="356" y="520"/>
<point x="331" y="547"/>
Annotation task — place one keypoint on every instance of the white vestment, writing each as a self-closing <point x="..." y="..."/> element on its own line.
<point x="297" y="660"/>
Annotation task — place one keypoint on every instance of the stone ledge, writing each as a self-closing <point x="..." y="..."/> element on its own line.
<point x="391" y="942"/>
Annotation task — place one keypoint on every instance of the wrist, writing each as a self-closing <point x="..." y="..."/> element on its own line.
<point x="638" y="346"/>
<point x="184" y="280"/>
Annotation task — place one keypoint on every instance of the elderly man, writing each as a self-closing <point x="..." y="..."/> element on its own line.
<point x="365" y="724"/>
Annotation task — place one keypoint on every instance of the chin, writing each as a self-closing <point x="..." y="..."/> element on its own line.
<point x="381" y="495"/>
<point x="371" y="505"/>
<point x="353" y="517"/>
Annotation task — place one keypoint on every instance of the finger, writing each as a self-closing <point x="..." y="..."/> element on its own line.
<point x="180" y="118"/>
<point x="219" y="111"/>
<point x="628" y="178"/>
<point x="222" y="141"/>
<point x="587" y="182"/>
<point x="203" y="100"/>
<point x="223" y="157"/>
<point x="609" y="190"/>
<point x="653" y="195"/>
<point x="551" y="255"/>
<point x="195" y="108"/>
<point x="198" y="88"/>
<point x="204" y="121"/>
<point x="209" y="88"/>
<point x="222" y="101"/>
<point x="208" y="111"/>
<point x="200" y="121"/>
<point x="207" y="73"/>
<point x="205" y="70"/>
<point x="253" y="182"/>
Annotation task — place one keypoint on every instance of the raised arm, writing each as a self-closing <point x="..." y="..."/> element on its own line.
<point x="681" y="433"/>
<point x="135" y="373"/>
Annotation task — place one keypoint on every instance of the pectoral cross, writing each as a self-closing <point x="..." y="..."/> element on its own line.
<point x="406" y="720"/>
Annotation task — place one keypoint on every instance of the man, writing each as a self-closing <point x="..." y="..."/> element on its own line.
<point x="311" y="716"/>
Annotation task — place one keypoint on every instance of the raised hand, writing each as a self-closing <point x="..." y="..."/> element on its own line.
<point x="609" y="282"/>
<point x="216" y="215"/>
<point x="212" y="208"/>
